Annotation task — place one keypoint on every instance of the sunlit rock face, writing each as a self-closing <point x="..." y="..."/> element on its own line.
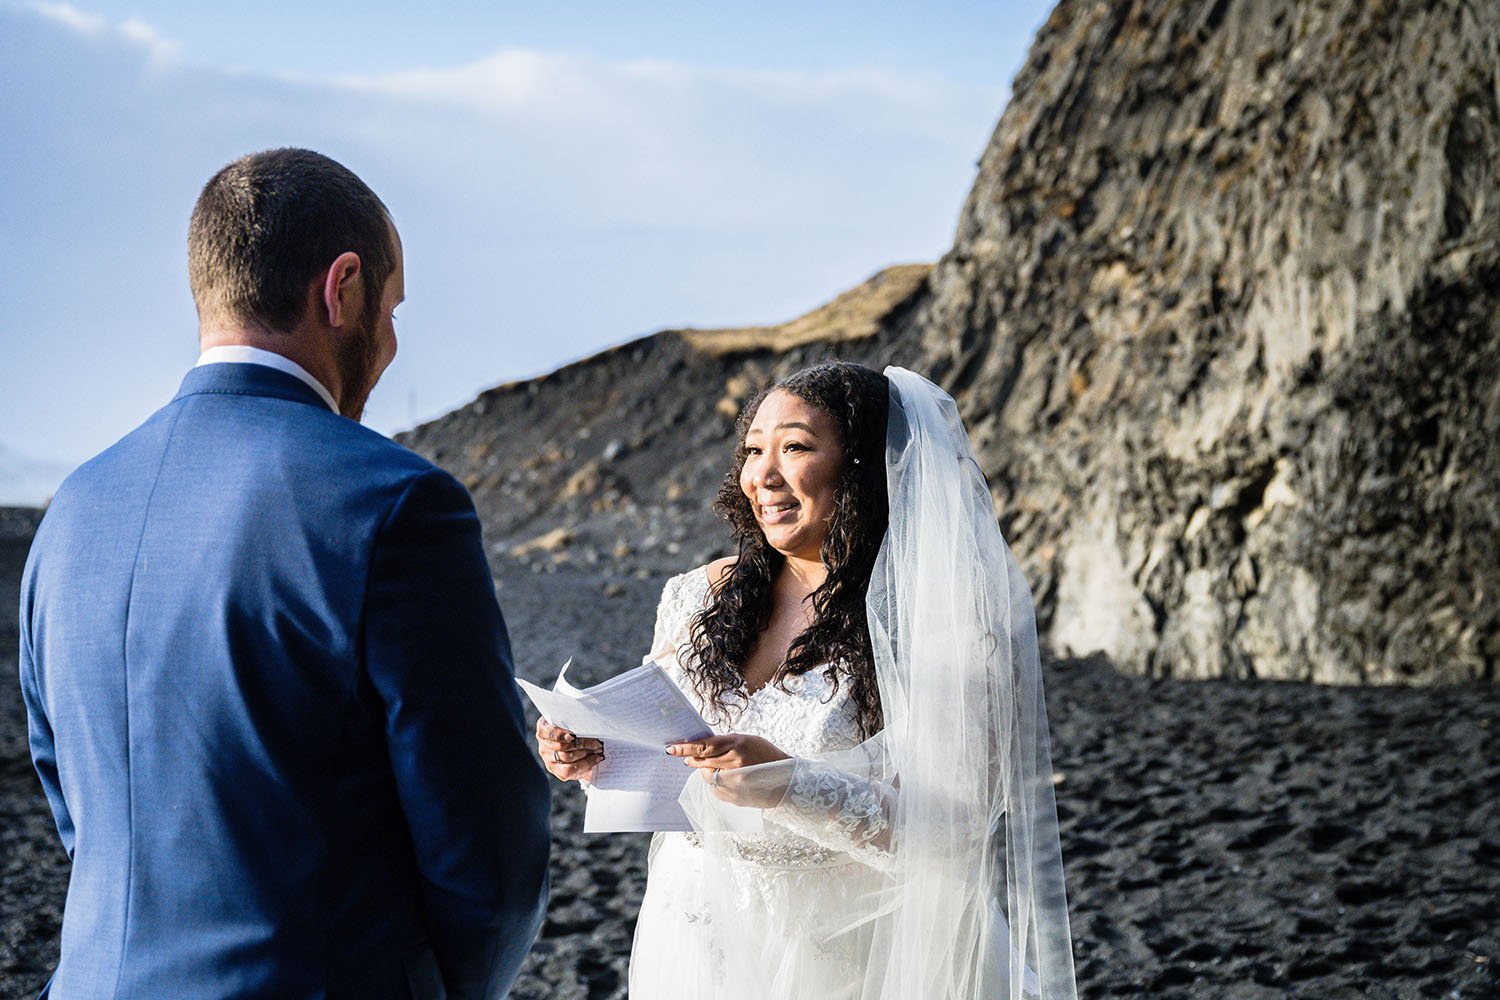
<point x="1222" y="316"/>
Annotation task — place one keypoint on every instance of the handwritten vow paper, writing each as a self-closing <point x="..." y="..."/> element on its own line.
<point x="636" y="714"/>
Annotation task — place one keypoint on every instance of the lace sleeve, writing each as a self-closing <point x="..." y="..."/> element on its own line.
<point x="681" y="598"/>
<point x="838" y="805"/>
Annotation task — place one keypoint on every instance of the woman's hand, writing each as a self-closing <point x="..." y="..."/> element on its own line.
<point x="718" y="758"/>
<point x="565" y="755"/>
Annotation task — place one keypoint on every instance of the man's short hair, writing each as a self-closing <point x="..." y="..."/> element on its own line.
<point x="270" y="223"/>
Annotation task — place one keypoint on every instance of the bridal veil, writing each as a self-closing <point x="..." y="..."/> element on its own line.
<point x="949" y="811"/>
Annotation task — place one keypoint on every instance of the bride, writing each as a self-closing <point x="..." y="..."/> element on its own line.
<point x="868" y="662"/>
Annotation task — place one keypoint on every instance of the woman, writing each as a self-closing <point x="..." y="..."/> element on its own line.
<point x="869" y="663"/>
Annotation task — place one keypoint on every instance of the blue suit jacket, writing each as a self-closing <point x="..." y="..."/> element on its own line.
<point x="271" y="702"/>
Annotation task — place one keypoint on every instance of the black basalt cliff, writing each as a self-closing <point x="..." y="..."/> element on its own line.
<point x="1221" y="315"/>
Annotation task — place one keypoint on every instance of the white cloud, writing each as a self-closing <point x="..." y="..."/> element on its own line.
<point x="162" y="52"/>
<point x="667" y="142"/>
<point x="80" y="21"/>
<point x="545" y="83"/>
<point x="509" y="80"/>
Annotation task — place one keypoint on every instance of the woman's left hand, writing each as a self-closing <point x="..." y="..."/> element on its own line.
<point x="716" y="757"/>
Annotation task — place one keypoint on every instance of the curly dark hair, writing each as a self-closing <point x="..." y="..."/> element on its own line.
<point x="724" y="633"/>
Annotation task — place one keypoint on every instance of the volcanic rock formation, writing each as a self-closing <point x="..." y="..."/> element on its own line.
<point x="1221" y="315"/>
<point x="1222" y="312"/>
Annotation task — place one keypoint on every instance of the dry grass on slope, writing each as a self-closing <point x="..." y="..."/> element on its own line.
<point x="854" y="315"/>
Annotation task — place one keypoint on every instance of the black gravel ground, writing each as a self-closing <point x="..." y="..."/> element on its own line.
<point x="1223" y="839"/>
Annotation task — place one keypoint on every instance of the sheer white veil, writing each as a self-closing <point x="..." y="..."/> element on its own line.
<point x="952" y="804"/>
<point x="956" y="656"/>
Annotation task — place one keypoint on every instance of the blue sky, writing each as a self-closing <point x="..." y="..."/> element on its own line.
<point x="565" y="177"/>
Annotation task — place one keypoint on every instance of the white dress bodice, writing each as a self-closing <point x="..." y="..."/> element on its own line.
<point x="789" y="889"/>
<point x="802" y="715"/>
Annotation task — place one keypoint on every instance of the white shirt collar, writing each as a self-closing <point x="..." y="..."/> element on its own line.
<point x="244" y="355"/>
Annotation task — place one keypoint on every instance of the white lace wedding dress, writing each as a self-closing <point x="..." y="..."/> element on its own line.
<point x="970" y="902"/>
<point x="773" y="921"/>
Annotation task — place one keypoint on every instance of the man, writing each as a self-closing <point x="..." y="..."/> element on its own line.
<point x="269" y="689"/>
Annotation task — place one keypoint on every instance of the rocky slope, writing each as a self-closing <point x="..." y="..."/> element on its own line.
<point x="611" y="462"/>
<point x="1221" y="314"/>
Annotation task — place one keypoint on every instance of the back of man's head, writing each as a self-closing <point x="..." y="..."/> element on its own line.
<point x="269" y="224"/>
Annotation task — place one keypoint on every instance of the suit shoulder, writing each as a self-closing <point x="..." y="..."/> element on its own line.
<point x="378" y="456"/>
<point x="414" y="485"/>
<point x="374" y="446"/>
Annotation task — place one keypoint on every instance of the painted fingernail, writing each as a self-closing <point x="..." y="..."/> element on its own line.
<point x="567" y="737"/>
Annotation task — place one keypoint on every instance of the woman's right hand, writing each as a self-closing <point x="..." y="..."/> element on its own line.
<point x="565" y="755"/>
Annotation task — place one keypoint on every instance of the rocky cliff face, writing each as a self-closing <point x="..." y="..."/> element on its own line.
<point x="1222" y="310"/>
<point x="1221" y="315"/>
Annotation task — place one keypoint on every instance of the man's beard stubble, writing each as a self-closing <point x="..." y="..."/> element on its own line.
<point x="356" y="360"/>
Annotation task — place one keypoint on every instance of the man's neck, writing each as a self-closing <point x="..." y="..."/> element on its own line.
<point x="299" y="349"/>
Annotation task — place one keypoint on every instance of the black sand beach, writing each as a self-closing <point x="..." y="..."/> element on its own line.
<point x="1223" y="839"/>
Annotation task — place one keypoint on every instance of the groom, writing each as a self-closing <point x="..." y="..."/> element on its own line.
<point x="269" y="689"/>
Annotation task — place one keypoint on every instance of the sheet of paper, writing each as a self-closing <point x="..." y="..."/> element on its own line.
<point x="629" y="812"/>
<point x="639" y="706"/>
<point x="636" y="788"/>
<point x="636" y="714"/>
<point x="630" y="767"/>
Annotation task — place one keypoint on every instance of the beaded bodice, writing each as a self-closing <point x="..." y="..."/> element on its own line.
<point x="805" y="716"/>
<point x="802" y="716"/>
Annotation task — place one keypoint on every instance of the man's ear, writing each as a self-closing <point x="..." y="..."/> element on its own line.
<point x="343" y="289"/>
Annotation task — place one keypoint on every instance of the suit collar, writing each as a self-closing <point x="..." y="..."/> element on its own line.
<point x="244" y="379"/>
<point x="258" y="356"/>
